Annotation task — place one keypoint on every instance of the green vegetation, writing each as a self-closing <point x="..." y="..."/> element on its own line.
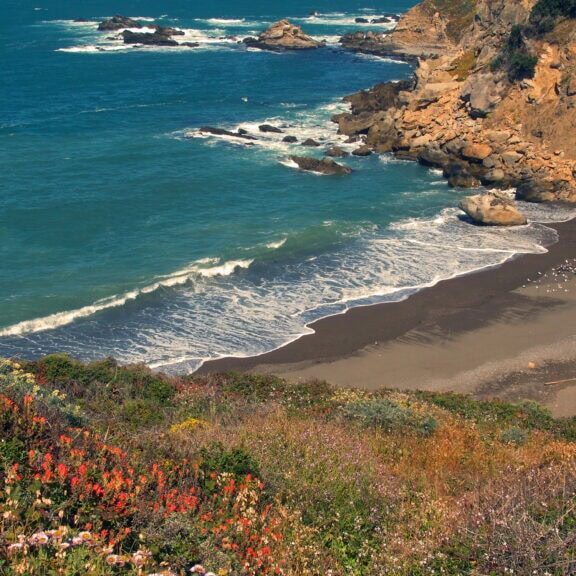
<point x="108" y="470"/>
<point x="546" y="14"/>
<point x="516" y="58"/>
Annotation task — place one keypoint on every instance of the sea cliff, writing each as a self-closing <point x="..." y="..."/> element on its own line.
<point x="493" y="99"/>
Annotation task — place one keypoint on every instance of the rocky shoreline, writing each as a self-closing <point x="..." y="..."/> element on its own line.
<point x="461" y="115"/>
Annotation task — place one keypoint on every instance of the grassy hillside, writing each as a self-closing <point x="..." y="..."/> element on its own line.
<point x="108" y="470"/>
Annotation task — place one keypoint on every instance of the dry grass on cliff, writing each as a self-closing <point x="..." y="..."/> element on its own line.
<point x="459" y="13"/>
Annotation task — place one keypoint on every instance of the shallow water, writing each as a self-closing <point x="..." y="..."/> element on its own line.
<point x="127" y="233"/>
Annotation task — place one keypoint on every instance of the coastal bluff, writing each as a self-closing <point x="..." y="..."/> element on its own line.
<point x="492" y="100"/>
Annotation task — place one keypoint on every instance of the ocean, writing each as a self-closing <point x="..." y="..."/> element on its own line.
<point x="125" y="232"/>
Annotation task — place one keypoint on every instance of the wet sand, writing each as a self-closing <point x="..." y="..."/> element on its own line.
<point x="507" y="332"/>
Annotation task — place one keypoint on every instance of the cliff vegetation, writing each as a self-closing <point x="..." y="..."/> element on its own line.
<point x="110" y="470"/>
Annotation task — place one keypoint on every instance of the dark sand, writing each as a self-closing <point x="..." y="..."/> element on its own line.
<point x="507" y="331"/>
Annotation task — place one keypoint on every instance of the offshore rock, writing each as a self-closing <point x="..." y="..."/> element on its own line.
<point x="324" y="166"/>
<point x="283" y="35"/>
<point x="118" y="23"/>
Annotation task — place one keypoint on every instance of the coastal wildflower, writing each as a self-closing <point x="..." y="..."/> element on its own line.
<point x="39" y="539"/>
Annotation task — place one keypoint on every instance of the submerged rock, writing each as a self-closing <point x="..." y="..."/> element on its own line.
<point x="324" y="166"/>
<point x="290" y="139"/>
<point x="311" y="142"/>
<point x="493" y="209"/>
<point x="118" y="23"/>
<point x="283" y="35"/>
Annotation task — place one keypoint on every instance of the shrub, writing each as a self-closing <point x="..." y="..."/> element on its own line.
<point x="235" y="461"/>
<point x="383" y="413"/>
<point x="515" y="58"/>
<point x="514" y="435"/>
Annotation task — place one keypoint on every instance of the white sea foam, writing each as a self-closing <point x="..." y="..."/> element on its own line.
<point x="342" y="19"/>
<point x="206" y="267"/>
<point x="277" y="244"/>
<point x="219" y="314"/>
<point x="312" y="124"/>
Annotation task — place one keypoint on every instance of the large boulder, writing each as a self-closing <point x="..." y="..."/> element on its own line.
<point x="482" y="92"/>
<point x="283" y="35"/>
<point x="493" y="209"/>
<point x="118" y="23"/>
<point x="476" y="152"/>
<point x="324" y="166"/>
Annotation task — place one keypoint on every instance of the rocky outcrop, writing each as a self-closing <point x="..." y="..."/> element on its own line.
<point x="493" y="209"/>
<point x="310" y="143"/>
<point x="222" y="132"/>
<point x="118" y="23"/>
<point x="157" y="38"/>
<point x="534" y="190"/>
<point x="324" y="166"/>
<point x="336" y="152"/>
<point x="283" y="35"/>
<point x="458" y="114"/>
<point x="268" y="128"/>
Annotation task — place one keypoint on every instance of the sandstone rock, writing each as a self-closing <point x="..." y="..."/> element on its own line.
<point x="283" y="35"/>
<point x="492" y="209"/>
<point x="510" y="157"/>
<point x="324" y="166"/>
<point x="496" y="177"/>
<point x="476" y="152"/>
<point x="497" y="136"/>
<point x="421" y="141"/>
<point x="482" y="92"/>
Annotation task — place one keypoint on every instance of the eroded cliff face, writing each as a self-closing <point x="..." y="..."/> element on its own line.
<point x="463" y="115"/>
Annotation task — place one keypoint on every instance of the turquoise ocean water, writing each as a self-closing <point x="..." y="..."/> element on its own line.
<point x="123" y="233"/>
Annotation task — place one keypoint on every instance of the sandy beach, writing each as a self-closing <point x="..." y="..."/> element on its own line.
<point x="507" y="332"/>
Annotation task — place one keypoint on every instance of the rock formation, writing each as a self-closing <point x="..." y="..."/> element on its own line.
<point x="283" y="35"/>
<point x="464" y="115"/>
<point x="324" y="166"/>
<point x="118" y="23"/>
<point x="493" y="209"/>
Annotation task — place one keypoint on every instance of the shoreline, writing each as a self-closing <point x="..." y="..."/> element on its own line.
<point x="448" y="313"/>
